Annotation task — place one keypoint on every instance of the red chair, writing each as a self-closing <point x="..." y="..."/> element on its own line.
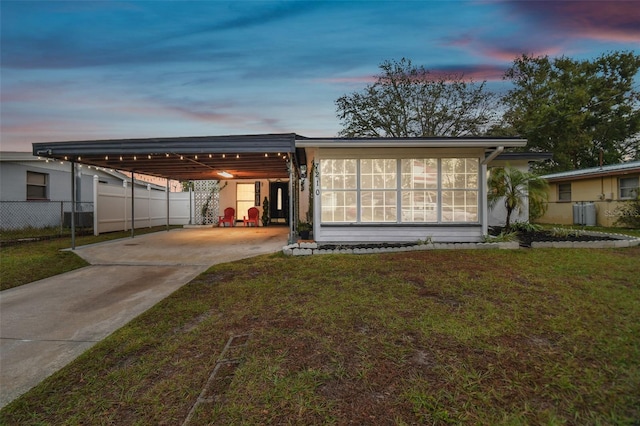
<point x="253" y="217"/>
<point x="229" y="217"/>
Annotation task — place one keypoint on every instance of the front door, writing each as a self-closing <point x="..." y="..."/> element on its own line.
<point x="279" y="202"/>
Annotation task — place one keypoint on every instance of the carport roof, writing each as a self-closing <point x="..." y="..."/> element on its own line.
<point x="184" y="158"/>
<point x="241" y="157"/>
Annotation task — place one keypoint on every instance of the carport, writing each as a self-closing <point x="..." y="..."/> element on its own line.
<point x="265" y="156"/>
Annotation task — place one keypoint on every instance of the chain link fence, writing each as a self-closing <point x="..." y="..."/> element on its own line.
<point x="39" y="219"/>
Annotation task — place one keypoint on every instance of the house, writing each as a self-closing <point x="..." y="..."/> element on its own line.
<point x="591" y="196"/>
<point x="353" y="189"/>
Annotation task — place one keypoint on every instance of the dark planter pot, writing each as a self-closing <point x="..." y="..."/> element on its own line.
<point x="304" y="235"/>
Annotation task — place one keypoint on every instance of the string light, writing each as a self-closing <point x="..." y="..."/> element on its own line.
<point x="106" y="157"/>
<point x="209" y="155"/>
<point x="237" y="155"/>
<point x="223" y="156"/>
<point x="196" y="157"/>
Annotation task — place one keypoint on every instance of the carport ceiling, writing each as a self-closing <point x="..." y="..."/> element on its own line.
<point x="184" y="158"/>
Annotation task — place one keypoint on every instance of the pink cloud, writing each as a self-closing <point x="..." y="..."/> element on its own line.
<point x="611" y="20"/>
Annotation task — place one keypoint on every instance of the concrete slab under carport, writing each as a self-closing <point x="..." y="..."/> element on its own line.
<point x="46" y="324"/>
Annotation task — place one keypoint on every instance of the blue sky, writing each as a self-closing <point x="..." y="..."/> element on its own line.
<point x="126" y="69"/>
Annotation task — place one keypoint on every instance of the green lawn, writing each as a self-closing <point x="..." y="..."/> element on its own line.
<point x="27" y="262"/>
<point x="544" y="336"/>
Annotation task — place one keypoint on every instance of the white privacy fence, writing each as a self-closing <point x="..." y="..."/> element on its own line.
<point x="151" y="207"/>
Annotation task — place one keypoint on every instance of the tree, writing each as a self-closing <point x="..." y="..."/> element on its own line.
<point x="578" y="110"/>
<point x="408" y="101"/>
<point x="514" y="187"/>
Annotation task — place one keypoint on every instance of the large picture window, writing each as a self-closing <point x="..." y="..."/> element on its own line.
<point x="412" y="190"/>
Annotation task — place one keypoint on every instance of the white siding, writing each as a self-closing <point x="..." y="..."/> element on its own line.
<point x="398" y="233"/>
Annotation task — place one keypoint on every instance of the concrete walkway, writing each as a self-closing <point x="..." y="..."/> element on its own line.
<point x="46" y="324"/>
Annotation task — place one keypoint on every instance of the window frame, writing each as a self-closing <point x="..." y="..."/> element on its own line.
<point x="562" y="192"/>
<point x="472" y="188"/>
<point x="247" y="203"/>
<point x="44" y="187"/>
<point x="629" y="188"/>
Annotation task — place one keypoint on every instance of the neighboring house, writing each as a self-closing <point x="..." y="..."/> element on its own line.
<point x="364" y="189"/>
<point x="596" y="192"/>
<point x="36" y="191"/>
<point x="520" y="161"/>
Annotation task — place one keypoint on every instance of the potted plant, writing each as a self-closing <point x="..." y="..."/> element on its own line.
<point x="265" y="212"/>
<point x="304" y="228"/>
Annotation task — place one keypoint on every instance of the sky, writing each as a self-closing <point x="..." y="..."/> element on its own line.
<point x="85" y="70"/>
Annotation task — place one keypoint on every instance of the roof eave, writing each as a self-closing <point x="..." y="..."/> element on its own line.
<point x="409" y="143"/>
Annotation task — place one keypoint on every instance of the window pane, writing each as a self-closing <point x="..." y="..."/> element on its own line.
<point x="459" y="206"/>
<point x="34" y="178"/>
<point x="419" y="206"/>
<point x="460" y="173"/>
<point x="338" y="206"/>
<point x="419" y="173"/>
<point x="378" y="174"/>
<point x="338" y="174"/>
<point x="378" y="206"/>
<point x="36" y="192"/>
<point x="564" y="192"/>
<point x="629" y="187"/>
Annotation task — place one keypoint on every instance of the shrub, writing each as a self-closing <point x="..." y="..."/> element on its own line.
<point x="628" y="213"/>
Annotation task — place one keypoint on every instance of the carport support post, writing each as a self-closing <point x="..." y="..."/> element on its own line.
<point x="133" y="211"/>
<point x="293" y="200"/>
<point x="73" y="205"/>
<point x="168" y="191"/>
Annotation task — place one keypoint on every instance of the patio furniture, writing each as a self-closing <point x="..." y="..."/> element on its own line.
<point x="229" y="217"/>
<point x="253" y="217"/>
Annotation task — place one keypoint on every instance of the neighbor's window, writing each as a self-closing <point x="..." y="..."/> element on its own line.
<point x="564" y="192"/>
<point x="424" y="190"/>
<point x="339" y="184"/>
<point x="37" y="186"/>
<point x="628" y="187"/>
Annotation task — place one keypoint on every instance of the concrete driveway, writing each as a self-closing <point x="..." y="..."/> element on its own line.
<point x="46" y="324"/>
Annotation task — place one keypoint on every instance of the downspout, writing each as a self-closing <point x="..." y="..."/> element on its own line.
<point x="493" y="155"/>
<point x="485" y="192"/>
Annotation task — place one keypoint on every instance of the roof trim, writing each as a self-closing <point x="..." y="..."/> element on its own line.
<point x="428" y="142"/>
<point x="592" y="172"/>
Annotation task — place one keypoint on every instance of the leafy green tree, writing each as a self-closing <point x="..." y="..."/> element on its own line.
<point x="409" y="101"/>
<point x="514" y="187"/>
<point x="578" y="110"/>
